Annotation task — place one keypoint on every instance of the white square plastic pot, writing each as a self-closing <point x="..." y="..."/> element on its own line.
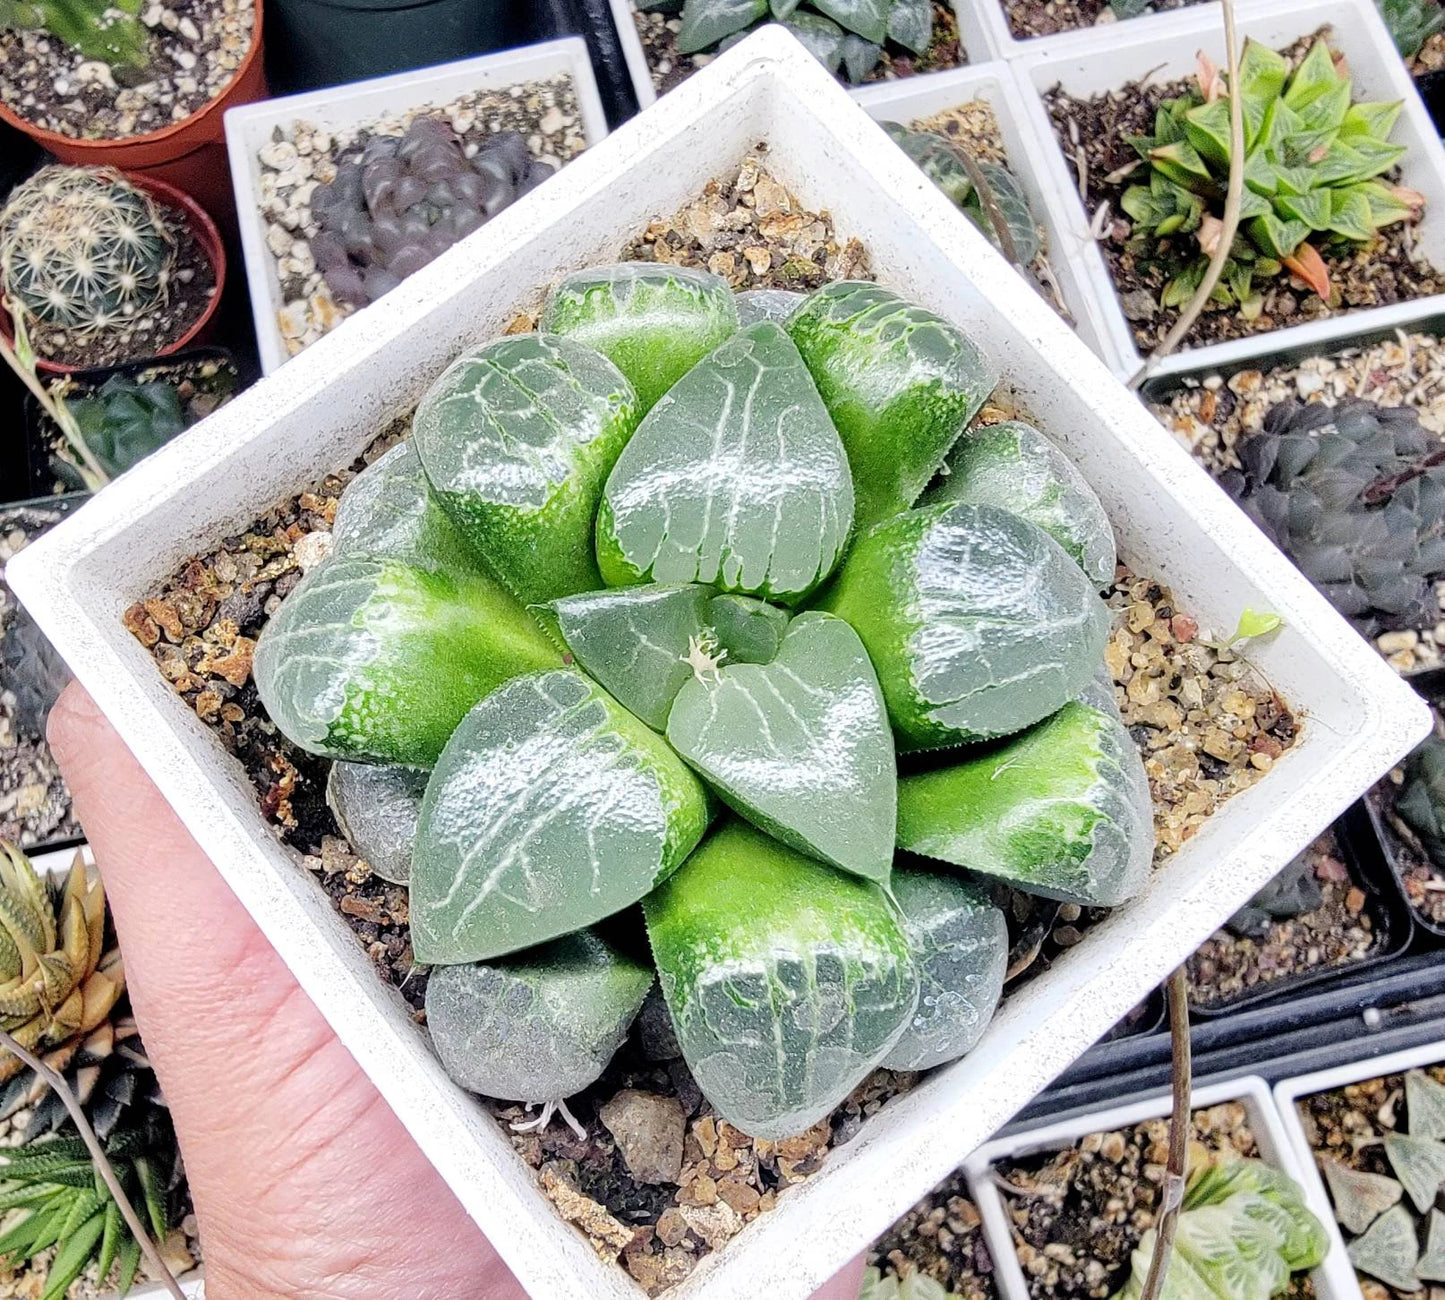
<point x="251" y="127"/>
<point x="1275" y="1149"/>
<point x="1163" y="48"/>
<point x="984" y="25"/>
<point x="320" y="410"/>
<point x="910" y="98"/>
<point x="1287" y="1092"/>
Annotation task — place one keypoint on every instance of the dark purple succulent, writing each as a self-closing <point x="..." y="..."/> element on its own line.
<point x="403" y="200"/>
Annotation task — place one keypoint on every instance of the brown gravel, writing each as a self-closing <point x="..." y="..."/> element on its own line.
<point x="1030" y="18"/>
<point x="1094" y="135"/>
<point x="940" y="1237"/>
<point x="1431" y="57"/>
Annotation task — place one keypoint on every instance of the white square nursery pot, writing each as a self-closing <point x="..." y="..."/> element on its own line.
<point x="985" y="24"/>
<point x="324" y="407"/>
<point x="1287" y="1092"/>
<point x="250" y="128"/>
<point x="1163" y="48"/>
<point x="1275" y="1149"/>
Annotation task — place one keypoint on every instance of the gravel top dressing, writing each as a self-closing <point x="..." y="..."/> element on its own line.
<point x="1029" y="18"/>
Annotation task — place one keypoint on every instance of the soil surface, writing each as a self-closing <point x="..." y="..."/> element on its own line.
<point x="1431" y="57"/>
<point x="302" y="155"/>
<point x="658" y="33"/>
<point x="941" y="1238"/>
<point x="1030" y="18"/>
<point x="195" y="49"/>
<point x="1094" y="134"/>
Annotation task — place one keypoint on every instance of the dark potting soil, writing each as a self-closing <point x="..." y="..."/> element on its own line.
<point x="1094" y="135"/>
<point x="1030" y="18"/>
<point x="195" y="49"/>
<point x="941" y="1238"/>
<point x="192" y="286"/>
<point x="1422" y="881"/>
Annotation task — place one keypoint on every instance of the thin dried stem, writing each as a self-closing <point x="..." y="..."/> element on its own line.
<point x="102" y="1162"/>
<point x="1177" y="1169"/>
<point x="1233" y="199"/>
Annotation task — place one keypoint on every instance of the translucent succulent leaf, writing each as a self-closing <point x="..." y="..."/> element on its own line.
<point x="788" y="981"/>
<point x="551" y="808"/>
<point x="1372" y="120"/>
<point x="653" y="321"/>
<point x="1424" y="1105"/>
<point x="1062" y="811"/>
<point x="860" y="57"/>
<point x="635" y="641"/>
<point x="1314" y="78"/>
<point x="1419" y="1164"/>
<point x="706" y="22"/>
<point x="749" y="630"/>
<point x="775" y="305"/>
<point x="1268" y="1195"/>
<point x="1012" y="205"/>
<point x="1262" y="77"/>
<point x="517" y="439"/>
<point x="869" y="18"/>
<point x="377" y="808"/>
<point x="900" y="383"/>
<point x="1431" y="1267"/>
<point x="959" y="939"/>
<point x="782" y="9"/>
<point x="372" y="659"/>
<point x="737" y="478"/>
<point x="1015" y="467"/>
<point x="1390" y="1250"/>
<point x="820" y="36"/>
<point x="799" y="746"/>
<point x="1359" y="1197"/>
<point x="916" y="1286"/>
<point x="540" y="1026"/>
<point x="978" y="622"/>
<point x="910" y="23"/>
<point x="388" y="511"/>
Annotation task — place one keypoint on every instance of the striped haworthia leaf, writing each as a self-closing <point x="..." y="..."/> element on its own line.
<point x="900" y="383"/>
<point x="372" y="659"/>
<point x="787" y="981"/>
<point x="1015" y="467"/>
<point x="538" y="1026"/>
<point x="959" y="939"/>
<point x="517" y="439"/>
<point x="978" y="622"/>
<point x="653" y="320"/>
<point x="1063" y="811"/>
<point x="1390" y="1250"/>
<point x="736" y="478"/>
<point x="799" y="746"/>
<point x="377" y="807"/>
<point x="551" y="808"/>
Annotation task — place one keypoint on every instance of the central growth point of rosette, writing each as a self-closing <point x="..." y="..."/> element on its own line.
<point x="641" y="613"/>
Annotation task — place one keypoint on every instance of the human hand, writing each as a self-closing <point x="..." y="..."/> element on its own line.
<point x="306" y="1186"/>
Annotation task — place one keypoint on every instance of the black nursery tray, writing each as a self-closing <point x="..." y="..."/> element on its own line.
<point x="1430" y="685"/>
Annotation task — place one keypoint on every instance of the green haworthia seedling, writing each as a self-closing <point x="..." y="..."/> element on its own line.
<point x="1063" y="811"/>
<point x="389" y="512"/>
<point x="372" y="659"/>
<point x="1359" y="1197"/>
<point x="551" y="808"/>
<point x="900" y="383"/>
<point x="1015" y="467"/>
<point x="654" y="321"/>
<point x="1419" y="1164"/>
<point x="540" y="1026"/>
<point x="788" y="981"/>
<point x="706" y="22"/>
<point x="978" y="622"/>
<point x="749" y="630"/>
<point x="869" y="18"/>
<point x="910" y="23"/>
<point x="517" y="439"/>
<point x="1425" y="1105"/>
<point x="736" y="478"/>
<point x="775" y="305"/>
<point x="799" y="746"/>
<point x="821" y="37"/>
<point x="959" y="939"/>
<point x="377" y="808"/>
<point x="1389" y="1250"/>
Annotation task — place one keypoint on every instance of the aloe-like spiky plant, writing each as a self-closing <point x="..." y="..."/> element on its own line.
<point x="1411" y="22"/>
<point x="108" y="30"/>
<point x="1311" y="176"/>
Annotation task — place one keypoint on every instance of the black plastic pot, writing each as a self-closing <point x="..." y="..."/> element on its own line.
<point x="314" y="43"/>
<point x="1431" y="86"/>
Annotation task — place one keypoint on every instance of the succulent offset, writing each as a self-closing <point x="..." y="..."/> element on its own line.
<point x="713" y="734"/>
<point x="1312" y="176"/>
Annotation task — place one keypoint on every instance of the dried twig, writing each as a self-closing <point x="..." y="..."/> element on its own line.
<point x="1233" y="199"/>
<point x="102" y="1162"/>
<point x="1177" y="1170"/>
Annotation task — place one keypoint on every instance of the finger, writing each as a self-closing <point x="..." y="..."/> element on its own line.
<point x="846" y="1284"/>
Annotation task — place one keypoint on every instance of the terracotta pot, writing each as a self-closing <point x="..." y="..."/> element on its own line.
<point x="209" y="238"/>
<point x="189" y="154"/>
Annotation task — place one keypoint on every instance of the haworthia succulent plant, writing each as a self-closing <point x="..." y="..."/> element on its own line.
<point x="1419" y="1164"/>
<point x="916" y="1286"/>
<point x="1425" y="1105"/>
<point x="377" y="808"/>
<point x="654" y="321"/>
<point x="978" y="622"/>
<point x="1062" y="810"/>
<point x="900" y="383"/>
<point x="869" y="18"/>
<point x="550" y="808"/>
<point x="910" y="23"/>
<point x="788" y="981"/>
<point x="373" y="659"/>
<point x="767" y="304"/>
<point x="1359" y="1197"/>
<point x="388" y="512"/>
<point x="749" y="630"/>
<point x="821" y="37"/>
<point x="959" y="939"/>
<point x="737" y="478"/>
<point x="1015" y="467"/>
<point x="800" y="746"/>
<point x="539" y="1026"/>
<point x="706" y="22"/>
<point x="517" y="438"/>
<point x="1432" y="1263"/>
<point x="1389" y="1250"/>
